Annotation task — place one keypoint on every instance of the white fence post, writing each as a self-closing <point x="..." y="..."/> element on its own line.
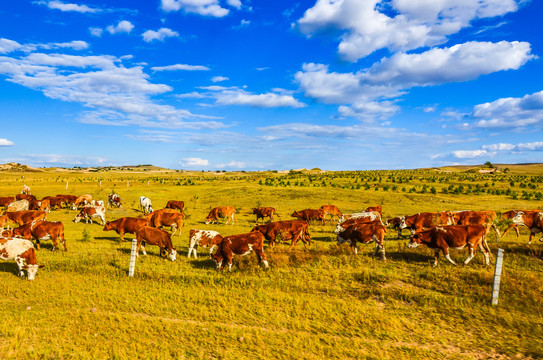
<point x="133" y="254"/>
<point x="497" y="277"/>
<point x="127" y="183"/>
<point x="100" y="183"/>
<point x="66" y="185"/>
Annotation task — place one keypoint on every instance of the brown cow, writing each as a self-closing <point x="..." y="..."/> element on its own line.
<point x="310" y="214"/>
<point x="365" y="233"/>
<point x="6" y="200"/>
<point x="24" y="254"/>
<point x="227" y="212"/>
<point x="4" y="221"/>
<point x="441" y="238"/>
<point x="378" y="208"/>
<point x="509" y="215"/>
<point x="87" y="212"/>
<point x="532" y="220"/>
<point x="420" y="221"/>
<point x="241" y="244"/>
<point x="114" y="200"/>
<point x="286" y="230"/>
<point x="81" y="200"/>
<point x="355" y="221"/>
<point x="28" y="197"/>
<point x="158" y="219"/>
<point x="149" y="235"/>
<point x="67" y="200"/>
<point x="125" y="225"/>
<point x="19" y="205"/>
<point x="175" y="204"/>
<point x="22" y="217"/>
<point x="42" y="230"/>
<point x="332" y="210"/>
<point x="203" y="238"/>
<point x="476" y="217"/>
<point x="262" y="212"/>
<point x="395" y="224"/>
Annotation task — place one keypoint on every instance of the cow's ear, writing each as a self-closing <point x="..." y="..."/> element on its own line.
<point x="40" y="266"/>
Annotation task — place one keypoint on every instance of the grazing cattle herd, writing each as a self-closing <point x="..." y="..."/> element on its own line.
<point x="439" y="231"/>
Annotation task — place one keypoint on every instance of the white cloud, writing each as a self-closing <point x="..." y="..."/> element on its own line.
<point x="471" y="154"/>
<point x="184" y="67"/>
<point x="160" y="35"/>
<point x="219" y="78"/>
<point x="367" y="90"/>
<point x="59" y="5"/>
<point x="6" y="142"/>
<point x="366" y="27"/>
<point x="532" y="146"/>
<point x="7" y="46"/>
<point x="232" y="164"/>
<point x="201" y="7"/>
<point x="510" y="112"/>
<point x="194" y="161"/>
<point x="96" y="31"/>
<point x="236" y="96"/>
<point x="235" y="3"/>
<point x="61" y="160"/>
<point x="123" y="26"/>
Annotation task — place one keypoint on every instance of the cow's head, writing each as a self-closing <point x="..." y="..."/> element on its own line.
<point x="78" y="218"/>
<point x="7" y="233"/>
<point x="414" y="241"/>
<point x="172" y="255"/>
<point x="32" y="270"/>
<point x="402" y="223"/>
<point x="518" y="217"/>
<point x="296" y="214"/>
<point x="217" y="257"/>
<point x="255" y="210"/>
<point x="341" y="240"/>
<point x="108" y="226"/>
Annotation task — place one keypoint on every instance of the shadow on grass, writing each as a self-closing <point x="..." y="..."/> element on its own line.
<point x="9" y="267"/>
<point x="115" y="239"/>
<point x="203" y="263"/>
<point x="414" y="257"/>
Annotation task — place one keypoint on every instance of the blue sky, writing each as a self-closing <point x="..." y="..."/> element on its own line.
<point x="256" y="85"/>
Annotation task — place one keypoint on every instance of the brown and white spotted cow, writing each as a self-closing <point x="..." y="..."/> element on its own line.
<point x="378" y="208"/>
<point x="332" y="210"/>
<point x="88" y="212"/>
<point x="19" y="205"/>
<point x="509" y="215"/>
<point x="395" y="224"/>
<point x="42" y="230"/>
<point x="426" y="220"/>
<point x="114" y="200"/>
<point x="147" y="235"/>
<point x="532" y="220"/>
<point x="24" y="254"/>
<point x="67" y="200"/>
<point x="309" y="214"/>
<point x="23" y="217"/>
<point x="26" y="190"/>
<point x="467" y="217"/>
<point x="262" y="212"/>
<point x="204" y="238"/>
<point x="286" y="230"/>
<point x="218" y="212"/>
<point x="176" y="204"/>
<point x="81" y="200"/>
<point x="372" y="214"/>
<point x="240" y="245"/>
<point x="442" y="238"/>
<point x="125" y="225"/>
<point x="160" y="218"/>
<point x="340" y="227"/>
<point x="365" y="233"/>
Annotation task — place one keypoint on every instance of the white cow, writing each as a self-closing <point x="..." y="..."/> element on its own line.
<point x="90" y="211"/>
<point x="146" y="204"/>
<point x="204" y="238"/>
<point x="18" y="205"/>
<point x="24" y="254"/>
<point x="371" y="215"/>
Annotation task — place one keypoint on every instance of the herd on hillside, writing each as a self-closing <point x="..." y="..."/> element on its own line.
<point x="439" y="231"/>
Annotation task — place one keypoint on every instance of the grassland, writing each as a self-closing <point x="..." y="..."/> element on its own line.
<point x="323" y="303"/>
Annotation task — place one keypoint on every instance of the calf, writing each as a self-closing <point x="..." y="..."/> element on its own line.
<point x="24" y="254"/>
<point x="218" y="212"/>
<point x="146" y="205"/>
<point x="42" y="230"/>
<point x="241" y="244"/>
<point x="262" y="212"/>
<point x="81" y="200"/>
<point x="148" y="235"/>
<point x="310" y="214"/>
<point x="125" y="225"/>
<point x="332" y="210"/>
<point x="365" y="233"/>
<point x="23" y="217"/>
<point x="290" y="229"/>
<point x="175" y="204"/>
<point x="114" y="200"/>
<point x="159" y="219"/>
<point x="88" y="212"/>
<point x="441" y="238"/>
<point x="203" y="238"/>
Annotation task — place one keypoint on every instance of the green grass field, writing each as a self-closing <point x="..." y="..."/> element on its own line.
<point x="323" y="303"/>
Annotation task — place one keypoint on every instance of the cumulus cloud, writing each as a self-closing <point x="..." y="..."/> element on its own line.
<point x="235" y="3"/>
<point x="61" y="160"/>
<point x="160" y="34"/>
<point x="123" y="26"/>
<point x="96" y="31"/>
<point x="7" y="46"/>
<point x="201" y="7"/>
<point x="510" y="112"/>
<point x="59" y="5"/>
<point x="184" y="67"/>
<point x="472" y="154"/>
<point x="232" y="164"/>
<point x="237" y="96"/>
<point x="194" y="161"/>
<point x="115" y="94"/>
<point x="366" y="27"/>
<point x="6" y="142"/>
<point x="365" y="92"/>
<point x="219" y="78"/>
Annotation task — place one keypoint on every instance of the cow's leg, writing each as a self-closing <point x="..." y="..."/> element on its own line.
<point x="38" y="244"/>
<point x="485" y="253"/>
<point x="436" y="257"/>
<point x="20" y="263"/>
<point x="121" y="233"/>
<point x="355" y="249"/>
<point x="448" y="256"/>
<point x="471" y="250"/>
